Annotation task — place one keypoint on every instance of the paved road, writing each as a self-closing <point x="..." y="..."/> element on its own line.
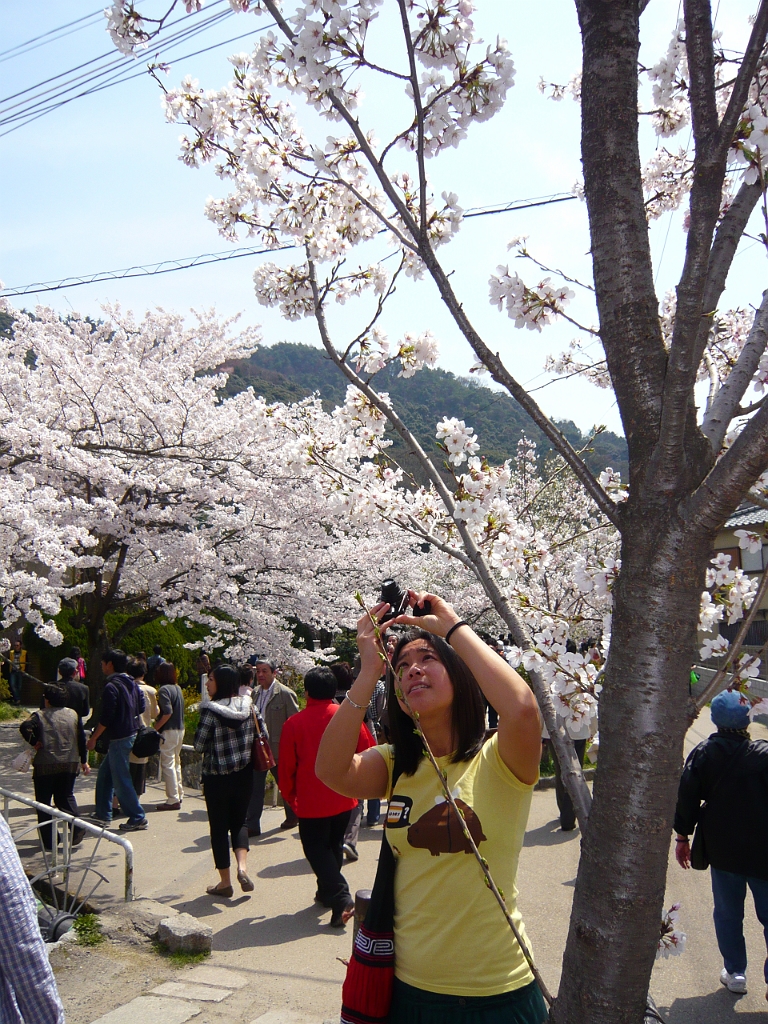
<point x="280" y="942"/>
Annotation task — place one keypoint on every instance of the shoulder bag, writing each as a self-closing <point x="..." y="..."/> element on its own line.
<point x="699" y="858"/>
<point x="366" y="996"/>
<point x="262" y="757"/>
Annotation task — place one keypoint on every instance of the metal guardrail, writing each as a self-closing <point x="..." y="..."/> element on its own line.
<point x="95" y="830"/>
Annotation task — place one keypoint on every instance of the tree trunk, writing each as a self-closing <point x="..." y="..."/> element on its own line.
<point x="617" y="908"/>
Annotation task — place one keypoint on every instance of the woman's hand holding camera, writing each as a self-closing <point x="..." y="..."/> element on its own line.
<point x="439" y="618"/>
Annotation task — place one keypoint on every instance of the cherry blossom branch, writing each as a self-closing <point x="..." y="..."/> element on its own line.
<point x="443" y="777"/>
<point x="726" y="402"/>
<point x="414" y="78"/>
<point x="735" y="649"/>
<point x="740" y="92"/>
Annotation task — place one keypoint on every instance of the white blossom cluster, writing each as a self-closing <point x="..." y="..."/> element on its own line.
<point x="532" y="308"/>
<point x="672" y="939"/>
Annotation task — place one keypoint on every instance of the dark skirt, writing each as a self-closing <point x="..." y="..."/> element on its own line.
<point x="415" y="1006"/>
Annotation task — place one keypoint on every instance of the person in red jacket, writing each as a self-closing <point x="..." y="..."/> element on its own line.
<point x="323" y="815"/>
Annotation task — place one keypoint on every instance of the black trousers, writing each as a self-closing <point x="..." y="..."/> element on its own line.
<point x="226" y="800"/>
<point x="59" y="791"/>
<point x="564" y="802"/>
<point x="323" y="839"/>
<point x="256" y="806"/>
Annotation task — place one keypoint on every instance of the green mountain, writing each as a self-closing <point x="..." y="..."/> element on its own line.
<point x="289" y="372"/>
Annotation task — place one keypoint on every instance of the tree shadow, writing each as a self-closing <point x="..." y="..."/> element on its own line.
<point x="286" y="869"/>
<point x="276" y="931"/>
<point x="550" y="834"/>
<point x="199" y="814"/>
<point x="714" y="1008"/>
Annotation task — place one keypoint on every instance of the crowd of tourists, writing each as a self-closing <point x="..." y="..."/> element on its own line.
<point x="409" y="725"/>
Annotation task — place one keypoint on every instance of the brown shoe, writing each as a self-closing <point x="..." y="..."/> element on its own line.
<point x="168" y="807"/>
<point x="246" y="883"/>
<point x="225" y="891"/>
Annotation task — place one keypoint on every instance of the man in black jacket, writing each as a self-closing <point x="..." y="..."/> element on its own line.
<point x="121" y="704"/>
<point x="78" y="695"/>
<point x="724" y="795"/>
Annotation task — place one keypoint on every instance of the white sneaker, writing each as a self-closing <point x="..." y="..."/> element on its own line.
<point x="733" y="982"/>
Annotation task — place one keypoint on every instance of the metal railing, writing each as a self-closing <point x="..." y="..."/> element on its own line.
<point x="69" y="823"/>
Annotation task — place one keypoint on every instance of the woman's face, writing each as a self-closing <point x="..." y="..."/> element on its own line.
<point x="424" y="679"/>
<point x="210" y="685"/>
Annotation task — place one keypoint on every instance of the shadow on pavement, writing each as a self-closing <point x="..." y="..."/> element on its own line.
<point x="549" y="835"/>
<point x="291" y="867"/>
<point x="711" y="1009"/>
<point x="208" y="906"/>
<point x="276" y="931"/>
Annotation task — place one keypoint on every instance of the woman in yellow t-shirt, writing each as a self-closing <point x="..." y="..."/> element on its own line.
<point x="456" y="958"/>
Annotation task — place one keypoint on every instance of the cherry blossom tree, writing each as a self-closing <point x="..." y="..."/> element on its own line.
<point x="132" y="486"/>
<point x="290" y="184"/>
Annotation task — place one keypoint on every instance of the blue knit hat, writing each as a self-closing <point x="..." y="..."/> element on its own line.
<point x="728" y="712"/>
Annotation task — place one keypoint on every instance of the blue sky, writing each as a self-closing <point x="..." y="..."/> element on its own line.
<point x="97" y="185"/>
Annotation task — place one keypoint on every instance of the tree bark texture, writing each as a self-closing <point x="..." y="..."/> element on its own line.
<point x="618" y="900"/>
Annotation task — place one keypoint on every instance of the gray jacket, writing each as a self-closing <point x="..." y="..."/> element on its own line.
<point x="278" y="709"/>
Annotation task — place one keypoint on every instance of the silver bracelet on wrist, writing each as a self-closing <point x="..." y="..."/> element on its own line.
<point x="360" y="707"/>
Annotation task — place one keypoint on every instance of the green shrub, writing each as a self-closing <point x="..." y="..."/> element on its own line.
<point x="8" y="713"/>
<point x="88" y="930"/>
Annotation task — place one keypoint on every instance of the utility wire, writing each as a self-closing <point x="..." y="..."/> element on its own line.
<point x="186" y="263"/>
<point x="42" y="40"/>
<point x="37" y="104"/>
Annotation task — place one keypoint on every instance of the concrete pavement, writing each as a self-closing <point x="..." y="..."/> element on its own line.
<point x="278" y="943"/>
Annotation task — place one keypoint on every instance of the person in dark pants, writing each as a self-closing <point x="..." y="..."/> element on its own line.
<point x="723" y="794"/>
<point x="56" y="731"/>
<point x="323" y="815"/>
<point x="276" y="703"/>
<point x="225" y="739"/>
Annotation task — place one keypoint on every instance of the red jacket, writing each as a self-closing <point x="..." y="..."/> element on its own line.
<point x="301" y="788"/>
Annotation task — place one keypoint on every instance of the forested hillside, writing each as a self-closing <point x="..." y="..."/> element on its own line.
<point x="287" y="372"/>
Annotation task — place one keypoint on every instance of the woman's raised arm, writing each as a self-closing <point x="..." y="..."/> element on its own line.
<point x="519" y="723"/>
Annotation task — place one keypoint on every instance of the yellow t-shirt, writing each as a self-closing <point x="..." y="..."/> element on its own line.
<point x="450" y="934"/>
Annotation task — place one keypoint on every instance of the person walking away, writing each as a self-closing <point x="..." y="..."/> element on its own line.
<point x="28" y="993"/>
<point x="155" y="660"/>
<point x="323" y="815"/>
<point x="78" y="694"/>
<point x="456" y="960"/>
<point x="245" y="672"/>
<point x="138" y="765"/>
<point x="225" y="739"/>
<point x="276" y="703"/>
<point x="203" y="668"/>
<point x="122" y="703"/>
<point x="82" y="666"/>
<point x="56" y="732"/>
<point x="723" y="794"/>
<point x="18" y="665"/>
<point x="170" y="725"/>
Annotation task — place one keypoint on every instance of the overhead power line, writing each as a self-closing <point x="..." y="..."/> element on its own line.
<point x="100" y="72"/>
<point x="186" y="263"/>
<point x="49" y="37"/>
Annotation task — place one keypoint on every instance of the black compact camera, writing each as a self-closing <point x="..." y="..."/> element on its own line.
<point x="397" y="600"/>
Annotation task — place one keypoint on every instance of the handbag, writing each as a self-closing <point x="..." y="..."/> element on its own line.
<point x="699" y="858"/>
<point x="262" y="757"/>
<point x="22" y="761"/>
<point x="147" y="742"/>
<point x="366" y="996"/>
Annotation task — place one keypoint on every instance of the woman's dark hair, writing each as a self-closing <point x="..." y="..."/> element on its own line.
<point x="468" y="710"/>
<point x="165" y="674"/>
<point x="320" y="683"/>
<point x="227" y="682"/>
<point x="75" y="653"/>
<point x="245" y="675"/>
<point x="343" y="673"/>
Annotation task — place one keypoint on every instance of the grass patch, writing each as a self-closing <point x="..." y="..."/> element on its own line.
<point x="179" y="958"/>
<point x="88" y="930"/>
<point x="8" y="713"/>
